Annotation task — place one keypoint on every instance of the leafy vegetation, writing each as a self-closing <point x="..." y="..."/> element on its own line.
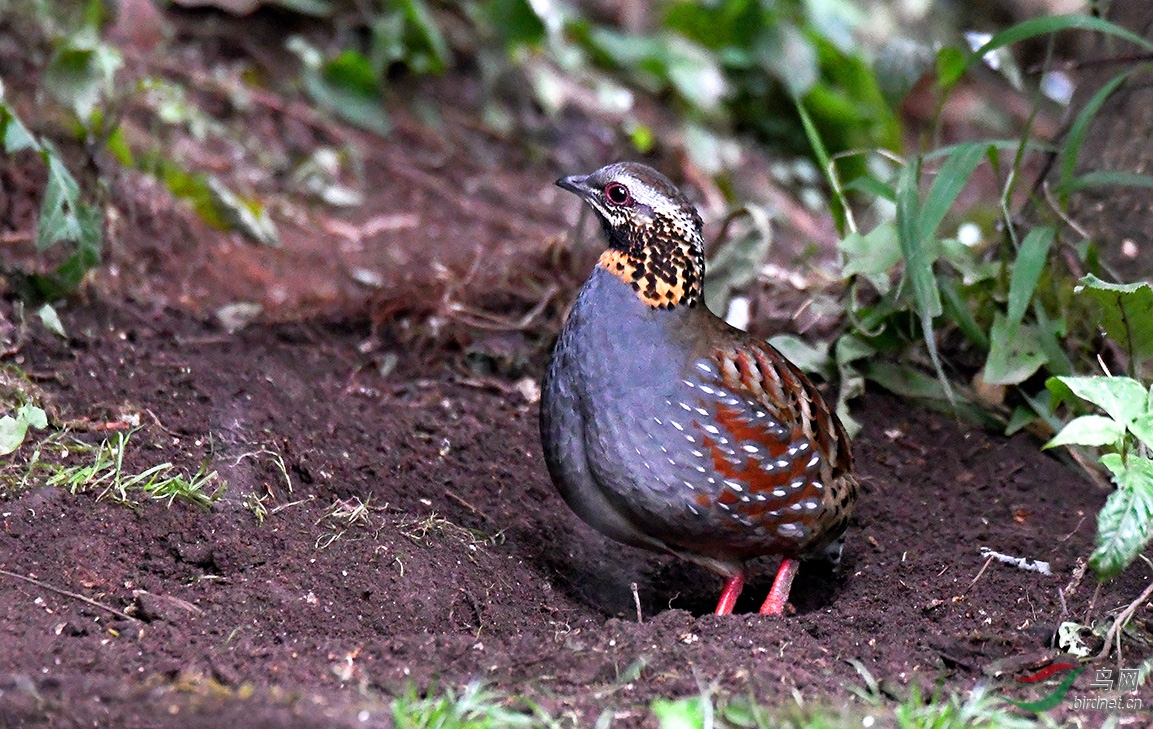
<point x="474" y="707"/>
<point x="477" y="707"/>
<point x="1125" y="433"/>
<point x="105" y="475"/>
<point x="66" y="222"/>
<point x="980" y="709"/>
<point x="993" y="319"/>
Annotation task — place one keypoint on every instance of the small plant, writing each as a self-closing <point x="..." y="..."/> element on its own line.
<point x="1124" y="434"/>
<point x="13" y="428"/>
<point x="475" y="707"/>
<point x="161" y="482"/>
<point x="65" y="221"/>
<point x="994" y="319"/>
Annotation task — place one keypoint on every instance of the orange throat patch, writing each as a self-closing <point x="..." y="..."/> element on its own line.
<point x="661" y="283"/>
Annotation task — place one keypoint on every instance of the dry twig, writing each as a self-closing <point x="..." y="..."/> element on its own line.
<point x="66" y="593"/>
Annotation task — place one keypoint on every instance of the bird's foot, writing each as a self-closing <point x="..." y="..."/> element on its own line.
<point x="779" y="593"/>
<point x="733" y="587"/>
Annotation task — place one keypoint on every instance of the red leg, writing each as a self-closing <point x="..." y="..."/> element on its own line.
<point x="733" y="587"/>
<point x="779" y="594"/>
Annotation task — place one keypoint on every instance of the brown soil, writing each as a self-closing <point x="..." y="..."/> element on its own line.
<point x="412" y="538"/>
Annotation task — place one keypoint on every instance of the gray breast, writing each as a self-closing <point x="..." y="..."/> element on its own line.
<point x="621" y="418"/>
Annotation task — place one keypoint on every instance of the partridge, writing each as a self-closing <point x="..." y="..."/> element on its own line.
<point x="667" y="429"/>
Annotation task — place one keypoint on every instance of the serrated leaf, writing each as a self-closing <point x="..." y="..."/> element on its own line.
<point x="1125" y="521"/>
<point x="1142" y="427"/>
<point x="1015" y="353"/>
<point x="1089" y="430"/>
<point x="1126" y="313"/>
<point x="1124" y="399"/>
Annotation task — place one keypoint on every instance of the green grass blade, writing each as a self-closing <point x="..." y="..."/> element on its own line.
<point x="919" y="260"/>
<point x="840" y="206"/>
<point x="958" y="311"/>
<point x="1080" y="128"/>
<point x="1031" y="260"/>
<point x="1106" y="178"/>
<point x="874" y="187"/>
<point x="951" y="178"/>
<point x="1043" y="26"/>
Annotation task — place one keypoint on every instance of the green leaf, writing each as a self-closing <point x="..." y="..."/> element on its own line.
<point x="873" y="255"/>
<point x="967" y="262"/>
<point x="1126" y="313"/>
<point x="1106" y="178"/>
<point x="873" y="186"/>
<point x="16" y="135"/>
<point x="1031" y="258"/>
<point x="80" y="74"/>
<point x="435" y="56"/>
<point x="51" y="320"/>
<point x="58" y="208"/>
<point x="1122" y="398"/>
<point x="679" y="714"/>
<point x="848" y="350"/>
<point x="957" y="310"/>
<point x="840" y="205"/>
<point x="951" y="178"/>
<point x="515" y="21"/>
<point x="345" y="85"/>
<point x="1080" y="128"/>
<point x="1015" y="353"/>
<point x="1089" y="430"/>
<point x="1142" y="427"/>
<point x="1125" y="521"/>
<point x="951" y="65"/>
<point x="14" y="429"/>
<point x="735" y="265"/>
<point x="1042" y="26"/>
<point x="694" y="73"/>
<point x="920" y="256"/>
<point x="249" y="217"/>
<point x="812" y="358"/>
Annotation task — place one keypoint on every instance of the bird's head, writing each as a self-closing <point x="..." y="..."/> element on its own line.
<point x="653" y="231"/>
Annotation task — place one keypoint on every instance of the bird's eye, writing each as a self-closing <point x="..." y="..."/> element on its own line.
<point x="617" y="194"/>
